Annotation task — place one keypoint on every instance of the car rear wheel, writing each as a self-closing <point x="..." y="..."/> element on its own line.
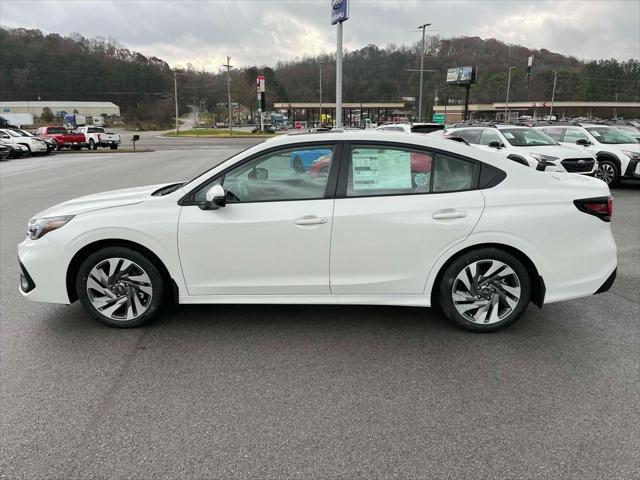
<point x="120" y="287"/>
<point x="92" y="144"/>
<point x="608" y="172"/>
<point x="485" y="290"/>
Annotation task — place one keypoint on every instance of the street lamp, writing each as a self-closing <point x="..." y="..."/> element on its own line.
<point x="506" y="104"/>
<point x="423" y="27"/>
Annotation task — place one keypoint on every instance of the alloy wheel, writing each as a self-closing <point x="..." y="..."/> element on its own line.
<point x="486" y="291"/>
<point x="119" y="289"/>
<point x="606" y="172"/>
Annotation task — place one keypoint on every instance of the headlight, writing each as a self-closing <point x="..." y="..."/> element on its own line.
<point x="631" y="155"/>
<point x="39" y="227"/>
<point x="543" y="158"/>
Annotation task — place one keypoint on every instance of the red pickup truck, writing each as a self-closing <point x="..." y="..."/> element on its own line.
<point x="63" y="138"/>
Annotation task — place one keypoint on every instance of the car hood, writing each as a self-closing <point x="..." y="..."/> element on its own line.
<point x="561" y="151"/>
<point x="99" y="201"/>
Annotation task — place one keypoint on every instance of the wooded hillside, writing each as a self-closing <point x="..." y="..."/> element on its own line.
<point x="52" y="67"/>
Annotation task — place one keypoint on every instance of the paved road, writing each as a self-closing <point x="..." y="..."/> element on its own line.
<point x="307" y="392"/>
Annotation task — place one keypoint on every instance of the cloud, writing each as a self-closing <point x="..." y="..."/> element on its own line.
<point x="262" y="32"/>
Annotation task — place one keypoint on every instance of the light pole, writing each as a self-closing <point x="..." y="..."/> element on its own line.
<point x="506" y="104"/>
<point x="321" y="63"/>
<point x="423" y="27"/>
<point x="175" y="94"/>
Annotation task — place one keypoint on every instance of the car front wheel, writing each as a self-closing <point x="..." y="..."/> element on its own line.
<point x="608" y="172"/>
<point x="120" y="287"/>
<point x="485" y="290"/>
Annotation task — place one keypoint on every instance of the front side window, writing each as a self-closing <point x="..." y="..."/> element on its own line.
<point x="610" y="135"/>
<point x="572" y="135"/>
<point x="555" y="133"/>
<point x="291" y="174"/>
<point x="489" y="136"/>
<point x="526" y="137"/>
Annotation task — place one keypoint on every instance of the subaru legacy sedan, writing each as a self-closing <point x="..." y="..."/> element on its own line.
<point x="398" y="219"/>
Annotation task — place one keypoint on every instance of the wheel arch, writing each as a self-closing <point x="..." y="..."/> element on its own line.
<point x="80" y="255"/>
<point x="611" y="157"/>
<point x="538" y="289"/>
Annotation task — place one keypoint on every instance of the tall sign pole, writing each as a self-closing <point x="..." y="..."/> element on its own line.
<point x="262" y="100"/>
<point x="339" y="13"/>
<point x="175" y="95"/>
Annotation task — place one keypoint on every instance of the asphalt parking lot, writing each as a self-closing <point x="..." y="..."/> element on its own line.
<point x="307" y="392"/>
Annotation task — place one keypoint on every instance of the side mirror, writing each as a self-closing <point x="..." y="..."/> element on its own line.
<point x="497" y="145"/>
<point x="215" y="198"/>
<point x="583" y="141"/>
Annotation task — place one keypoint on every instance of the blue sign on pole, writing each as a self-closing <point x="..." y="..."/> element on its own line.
<point x="339" y="11"/>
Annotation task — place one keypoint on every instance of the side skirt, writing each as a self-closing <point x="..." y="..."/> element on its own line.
<point x="417" y="300"/>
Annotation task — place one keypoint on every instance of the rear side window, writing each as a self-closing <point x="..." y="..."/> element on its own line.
<point x="471" y="135"/>
<point x="452" y="174"/>
<point x="385" y="170"/>
<point x="388" y="171"/>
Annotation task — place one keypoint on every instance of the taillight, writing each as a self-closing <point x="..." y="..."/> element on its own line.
<point x="601" y="207"/>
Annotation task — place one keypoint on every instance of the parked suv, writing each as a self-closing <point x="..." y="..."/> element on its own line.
<point x="527" y="146"/>
<point x="618" y="153"/>
<point x="428" y="127"/>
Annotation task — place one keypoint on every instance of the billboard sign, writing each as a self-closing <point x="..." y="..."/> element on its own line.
<point x="339" y="11"/>
<point x="461" y="75"/>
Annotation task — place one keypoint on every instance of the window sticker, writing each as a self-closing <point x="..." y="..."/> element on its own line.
<point x="381" y="169"/>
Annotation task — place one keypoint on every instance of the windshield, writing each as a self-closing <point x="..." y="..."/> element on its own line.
<point x="24" y="134"/>
<point x="610" y="135"/>
<point x="526" y="137"/>
<point x="56" y="130"/>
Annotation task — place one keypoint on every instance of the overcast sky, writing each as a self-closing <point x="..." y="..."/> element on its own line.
<point x="261" y="32"/>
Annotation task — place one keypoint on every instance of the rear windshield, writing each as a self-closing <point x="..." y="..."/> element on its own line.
<point x="95" y="130"/>
<point x="426" y="128"/>
<point x="56" y="130"/>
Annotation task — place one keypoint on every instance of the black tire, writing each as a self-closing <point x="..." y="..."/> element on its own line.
<point x="28" y="149"/>
<point x="608" y="172"/>
<point x="92" y="145"/>
<point x="113" y="147"/>
<point x="484" y="255"/>
<point x="140" y="261"/>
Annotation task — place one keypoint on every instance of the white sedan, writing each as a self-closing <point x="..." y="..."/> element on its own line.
<point x="386" y="219"/>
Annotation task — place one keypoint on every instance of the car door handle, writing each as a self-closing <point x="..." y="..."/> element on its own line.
<point x="311" y="220"/>
<point x="445" y="214"/>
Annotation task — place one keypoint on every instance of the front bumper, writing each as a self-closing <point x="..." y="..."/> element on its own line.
<point x="633" y="169"/>
<point x="44" y="268"/>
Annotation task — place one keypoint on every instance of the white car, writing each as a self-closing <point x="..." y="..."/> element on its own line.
<point x="397" y="220"/>
<point x="617" y="151"/>
<point x="527" y="146"/>
<point x="428" y="127"/>
<point x="33" y="144"/>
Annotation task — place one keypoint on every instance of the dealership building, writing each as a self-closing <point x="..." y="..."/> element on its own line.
<point x="498" y="110"/>
<point x="83" y="108"/>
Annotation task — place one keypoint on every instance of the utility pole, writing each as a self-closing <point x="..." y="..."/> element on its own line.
<point x="553" y="92"/>
<point x="175" y="95"/>
<point x="506" y="104"/>
<point x="229" y="93"/>
<point x="423" y="27"/>
<point x="321" y="63"/>
<point x="339" y="77"/>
